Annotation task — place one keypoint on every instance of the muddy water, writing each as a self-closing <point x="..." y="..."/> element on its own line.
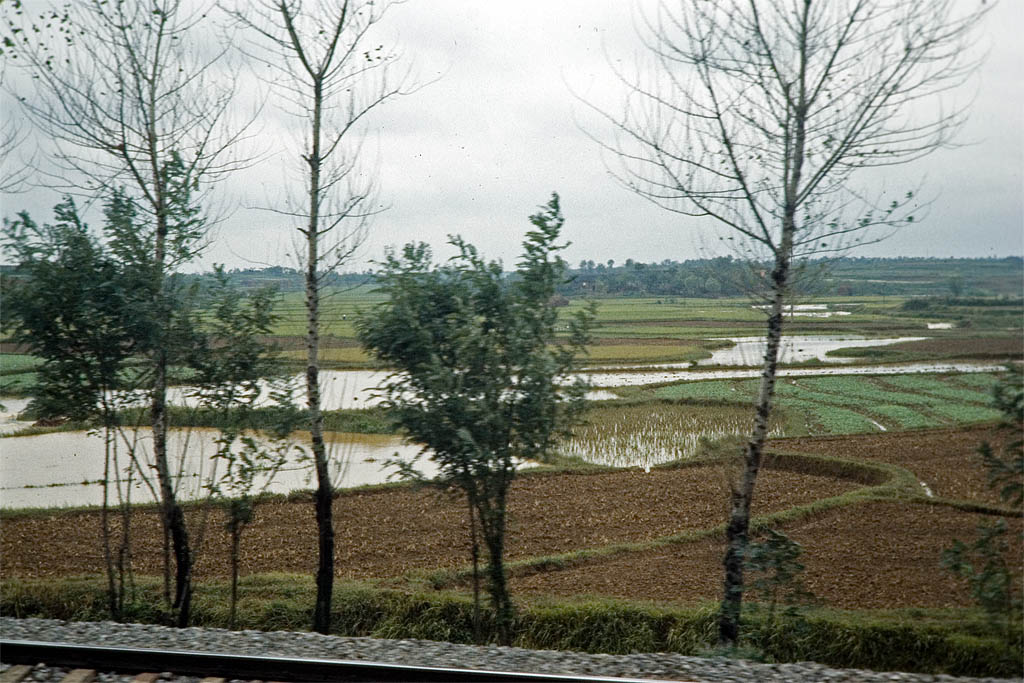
<point x="64" y="468"/>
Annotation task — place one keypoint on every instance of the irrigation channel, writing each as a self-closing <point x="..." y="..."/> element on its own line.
<point x="65" y="468"/>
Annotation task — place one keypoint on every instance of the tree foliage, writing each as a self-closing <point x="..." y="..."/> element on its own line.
<point x="73" y="305"/>
<point x="482" y="381"/>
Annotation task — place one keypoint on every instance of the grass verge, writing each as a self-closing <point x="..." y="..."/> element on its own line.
<point x="956" y="642"/>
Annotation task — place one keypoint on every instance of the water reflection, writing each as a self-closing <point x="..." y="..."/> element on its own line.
<point x="64" y="468"/>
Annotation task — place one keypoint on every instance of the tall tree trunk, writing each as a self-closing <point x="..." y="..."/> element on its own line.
<point x="236" y="542"/>
<point x="492" y="524"/>
<point x="108" y="558"/>
<point x="742" y="492"/>
<point x="474" y="549"/>
<point x="741" y="496"/>
<point x="172" y="515"/>
<point x="324" y="496"/>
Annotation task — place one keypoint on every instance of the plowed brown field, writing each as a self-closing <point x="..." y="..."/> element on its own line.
<point x="871" y="554"/>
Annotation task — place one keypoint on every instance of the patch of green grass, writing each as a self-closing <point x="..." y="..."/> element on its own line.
<point x="847" y="404"/>
<point x="707" y="390"/>
<point x="794" y="390"/>
<point x="934" y="386"/>
<point x="978" y="380"/>
<point x="904" y="417"/>
<point x="20" y="384"/>
<point x="932" y="641"/>
<point x="866" y="390"/>
<point x="963" y="414"/>
<point x="14" y="363"/>
<point x="836" y="420"/>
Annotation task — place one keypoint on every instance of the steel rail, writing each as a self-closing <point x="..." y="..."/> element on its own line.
<point x="203" y="664"/>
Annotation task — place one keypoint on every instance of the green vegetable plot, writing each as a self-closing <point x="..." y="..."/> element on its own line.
<point x="850" y="404"/>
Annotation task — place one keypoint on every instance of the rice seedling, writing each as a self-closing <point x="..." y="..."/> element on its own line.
<point x="645" y="435"/>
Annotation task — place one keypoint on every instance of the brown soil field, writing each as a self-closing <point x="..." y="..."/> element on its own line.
<point x="871" y="554"/>
<point x="387" y="532"/>
<point x="946" y="460"/>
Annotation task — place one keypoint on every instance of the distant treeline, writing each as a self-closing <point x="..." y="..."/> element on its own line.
<point x="726" y="276"/>
<point x="283" y="278"/>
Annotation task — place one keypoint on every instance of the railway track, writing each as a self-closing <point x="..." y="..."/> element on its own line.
<point x="85" y="661"/>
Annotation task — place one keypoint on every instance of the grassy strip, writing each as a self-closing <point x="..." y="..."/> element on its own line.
<point x="954" y="642"/>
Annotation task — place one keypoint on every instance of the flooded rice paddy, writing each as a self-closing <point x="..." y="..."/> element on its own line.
<point x="810" y="310"/>
<point x="354" y="389"/>
<point x="62" y="468"/>
<point x="749" y="351"/>
<point x="66" y="468"/>
<point x="638" y="436"/>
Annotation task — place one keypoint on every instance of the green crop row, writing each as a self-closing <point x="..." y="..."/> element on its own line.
<point x="849" y="404"/>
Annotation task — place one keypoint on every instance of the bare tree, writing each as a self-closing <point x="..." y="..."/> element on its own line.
<point x="129" y="98"/>
<point x="327" y="76"/>
<point x="14" y="174"/>
<point x="761" y="114"/>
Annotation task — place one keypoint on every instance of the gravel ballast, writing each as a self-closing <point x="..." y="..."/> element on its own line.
<point x="662" y="666"/>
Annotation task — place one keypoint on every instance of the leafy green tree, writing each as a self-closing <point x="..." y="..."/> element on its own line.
<point x="75" y="305"/>
<point x="775" y="568"/>
<point x="128" y="97"/>
<point x="482" y="381"/>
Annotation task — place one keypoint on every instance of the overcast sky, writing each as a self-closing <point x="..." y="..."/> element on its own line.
<point x="496" y="129"/>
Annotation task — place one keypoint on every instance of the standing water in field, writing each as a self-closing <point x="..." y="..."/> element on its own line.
<point x="749" y="351"/>
<point x="66" y="468"/>
<point x="637" y="436"/>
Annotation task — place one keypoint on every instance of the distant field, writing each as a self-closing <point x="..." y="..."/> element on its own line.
<point x="638" y="330"/>
<point x="851" y="404"/>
